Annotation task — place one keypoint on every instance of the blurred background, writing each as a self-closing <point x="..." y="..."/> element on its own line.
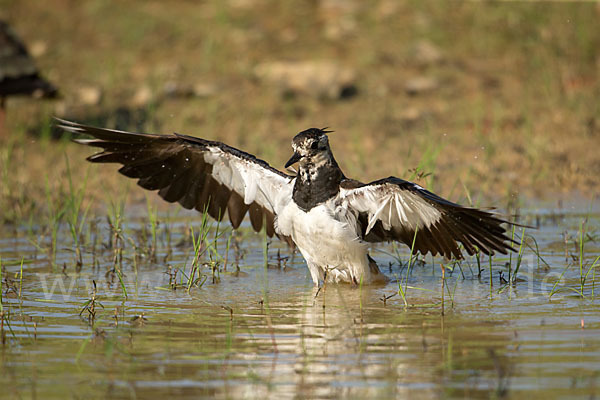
<point x="471" y="99"/>
<point x="484" y="102"/>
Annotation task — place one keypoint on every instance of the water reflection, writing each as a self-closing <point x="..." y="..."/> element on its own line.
<point x="268" y="333"/>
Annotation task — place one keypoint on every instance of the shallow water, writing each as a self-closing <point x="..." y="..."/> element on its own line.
<point x="266" y="332"/>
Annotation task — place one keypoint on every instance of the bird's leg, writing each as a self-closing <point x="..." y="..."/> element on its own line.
<point x="316" y="273"/>
<point x="322" y="283"/>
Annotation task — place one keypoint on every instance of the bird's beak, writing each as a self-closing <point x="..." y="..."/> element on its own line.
<point x="294" y="159"/>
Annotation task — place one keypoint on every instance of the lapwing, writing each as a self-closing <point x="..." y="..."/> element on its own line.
<point x="329" y="217"/>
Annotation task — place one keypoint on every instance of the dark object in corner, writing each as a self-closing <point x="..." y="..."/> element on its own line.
<point x="18" y="73"/>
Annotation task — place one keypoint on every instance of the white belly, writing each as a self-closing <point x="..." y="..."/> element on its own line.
<point x="328" y="240"/>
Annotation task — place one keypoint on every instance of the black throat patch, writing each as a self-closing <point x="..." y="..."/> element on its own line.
<point x="316" y="184"/>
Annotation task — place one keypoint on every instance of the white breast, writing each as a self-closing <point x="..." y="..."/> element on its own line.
<point x="327" y="238"/>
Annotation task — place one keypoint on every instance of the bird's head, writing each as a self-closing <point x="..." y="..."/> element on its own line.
<point x="311" y="146"/>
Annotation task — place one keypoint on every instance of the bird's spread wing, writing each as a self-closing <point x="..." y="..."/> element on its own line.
<point x="196" y="173"/>
<point x="395" y="209"/>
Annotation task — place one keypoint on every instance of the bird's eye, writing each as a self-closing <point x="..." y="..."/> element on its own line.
<point x="314" y="145"/>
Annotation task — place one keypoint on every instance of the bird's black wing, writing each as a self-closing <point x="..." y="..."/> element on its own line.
<point x="198" y="174"/>
<point x="394" y="209"/>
